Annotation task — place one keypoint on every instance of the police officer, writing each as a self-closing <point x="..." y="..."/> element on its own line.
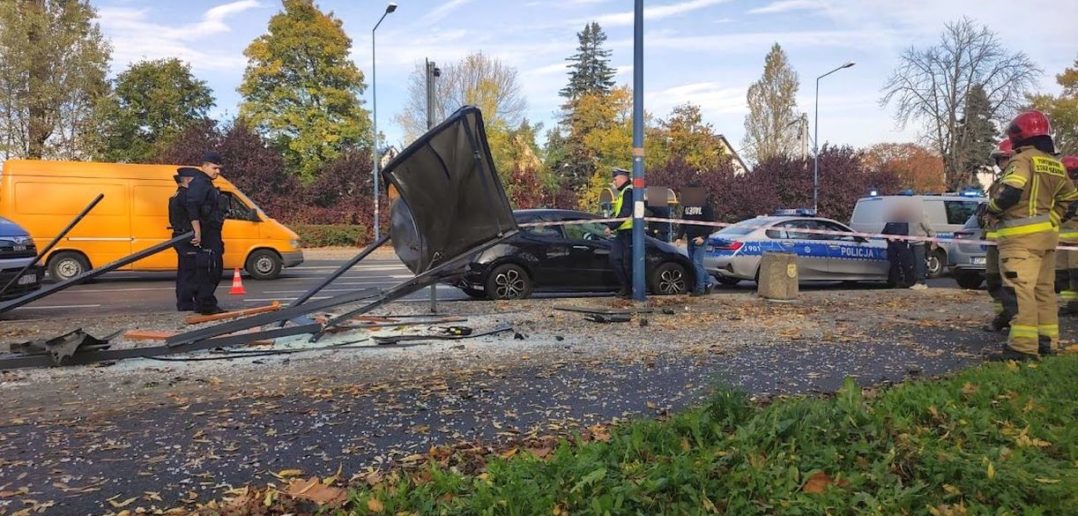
<point x="1034" y="189"/>
<point x="621" y="249"/>
<point x="180" y="223"/>
<point x="1068" y="260"/>
<point x="1006" y="304"/>
<point x="206" y="208"/>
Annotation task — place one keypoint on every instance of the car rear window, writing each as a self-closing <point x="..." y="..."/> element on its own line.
<point x="742" y="228"/>
<point x="958" y="212"/>
<point x="971" y="223"/>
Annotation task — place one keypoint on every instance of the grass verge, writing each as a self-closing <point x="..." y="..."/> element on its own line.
<point x="999" y="438"/>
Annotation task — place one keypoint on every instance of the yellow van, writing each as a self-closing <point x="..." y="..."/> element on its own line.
<point x="44" y="196"/>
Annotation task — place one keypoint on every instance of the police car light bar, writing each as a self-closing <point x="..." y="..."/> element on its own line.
<point x="795" y="212"/>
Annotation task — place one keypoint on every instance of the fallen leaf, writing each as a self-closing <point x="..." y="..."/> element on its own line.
<point x="288" y="473"/>
<point x="651" y="405"/>
<point x="508" y="453"/>
<point x="969" y="389"/>
<point x="374" y="505"/>
<point x="314" y="490"/>
<point x="817" y="483"/>
<point x="685" y="444"/>
<point x="120" y="505"/>
<point x="1047" y="480"/>
<point x="991" y="471"/>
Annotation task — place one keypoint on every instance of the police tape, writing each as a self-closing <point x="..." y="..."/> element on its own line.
<point x="798" y="230"/>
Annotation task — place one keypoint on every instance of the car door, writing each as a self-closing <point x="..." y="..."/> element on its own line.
<point x="589" y="255"/>
<point x="811" y="252"/>
<point x="853" y="257"/>
<point x="545" y="250"/>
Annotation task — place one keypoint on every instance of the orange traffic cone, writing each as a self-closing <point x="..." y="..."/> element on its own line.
<point x="237" y="284"/>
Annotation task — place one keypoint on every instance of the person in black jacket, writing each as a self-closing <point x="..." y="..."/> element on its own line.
<point x="696" y="208"/>
<point x="180" y="223"/>
<point x="206" y="207"/>
<point x="621" y="248"/>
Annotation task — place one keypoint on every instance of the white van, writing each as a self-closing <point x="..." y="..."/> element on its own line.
<point x="945" y="213"/>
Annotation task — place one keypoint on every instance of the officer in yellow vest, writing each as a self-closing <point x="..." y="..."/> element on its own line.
<point x="1068" y="260"/>
<point x="1035" y="190"/>
<point x="1003" y="299"/>
<point x="621" y="248"/>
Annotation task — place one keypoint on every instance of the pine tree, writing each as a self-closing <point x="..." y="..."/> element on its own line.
<point x="772" y="102"/>
<point x="977" y="137"/>
<point x="589" y="71"/>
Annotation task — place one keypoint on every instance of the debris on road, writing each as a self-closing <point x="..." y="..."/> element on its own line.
<point x="235" y="314"/>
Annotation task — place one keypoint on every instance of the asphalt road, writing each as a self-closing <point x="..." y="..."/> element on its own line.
<point x="134" y="293"/>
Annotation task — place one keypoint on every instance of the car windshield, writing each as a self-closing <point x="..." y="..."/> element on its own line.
<point x="971" y="223"/>
<point x="743" y="228"/>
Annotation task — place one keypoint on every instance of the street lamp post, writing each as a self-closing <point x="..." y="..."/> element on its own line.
<point x="816" y="141"/>
<point x="374" y="107"/>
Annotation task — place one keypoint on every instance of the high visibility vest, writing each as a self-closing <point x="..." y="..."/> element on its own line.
<point x="618" y="202"/>
<point x="1043" y="181"/>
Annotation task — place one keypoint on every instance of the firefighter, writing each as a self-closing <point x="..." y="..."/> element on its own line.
<point x="206" y="208"/>
<point x="1025" y="206"/>
<point x="1006" y="304"/>
<point x="621" y="248"/>
<point x="1068" y="260"/>
<point x="180" y="223"/>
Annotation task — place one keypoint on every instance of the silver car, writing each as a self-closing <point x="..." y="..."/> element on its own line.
<point x="967" y="259"/>
<point x="733" y="254"/>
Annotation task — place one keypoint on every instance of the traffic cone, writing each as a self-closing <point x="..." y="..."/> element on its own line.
<point x="237" y="284"/>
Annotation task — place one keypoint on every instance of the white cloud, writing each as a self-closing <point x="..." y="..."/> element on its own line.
<point x="134" y="37"/>
<point x="712" y="97"/>
<point x="654" y="13"/>
<point x="783" y="6"/>
<point x="442" y="11"/>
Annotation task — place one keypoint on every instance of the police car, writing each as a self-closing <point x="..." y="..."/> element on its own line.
<point x="733" y="254"/>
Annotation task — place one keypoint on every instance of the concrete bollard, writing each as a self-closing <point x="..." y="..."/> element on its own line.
<point x="778" y="277"/>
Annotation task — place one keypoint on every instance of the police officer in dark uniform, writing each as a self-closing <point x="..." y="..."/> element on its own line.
<point x="206" y="208"/>
<point x="621" y="249"/>
<point x="180" y="223"/>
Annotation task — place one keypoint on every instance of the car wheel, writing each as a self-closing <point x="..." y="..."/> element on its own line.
<point x="473" y="293"/>
<point x="969" y="280"/>
<point x="264" y="264"/>
<point x="727" y="281"/>
<point x="509" y="281"/>
<point x="669" y="279"/>
<point x="67" y="264"/>
<point x="935" y="261"/>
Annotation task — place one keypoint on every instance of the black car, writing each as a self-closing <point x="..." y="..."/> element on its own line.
<point x="566" y="258"/>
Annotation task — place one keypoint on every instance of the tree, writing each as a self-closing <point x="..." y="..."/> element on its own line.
<point x="151" y="103"/>
<point x="478" y="80"/>
<point x="916" y="167"/>
<point x="772" y="101"/>
<point x="933" y="86"/>
<point x="685" y="136"/>
<point x="977" y="137"/>
<point x="301" y="90"/>
<point x="1062" y="110"/>
<point x="589" y="69"/>
<point x="53" y="62"/>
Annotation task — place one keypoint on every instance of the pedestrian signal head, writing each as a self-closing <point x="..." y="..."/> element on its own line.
<point x="1028" y="125"/>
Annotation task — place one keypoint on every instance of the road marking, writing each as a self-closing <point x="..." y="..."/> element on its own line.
<point x="55" y="307"/>
<point x="282" y="299"/>
<point x="356" y="268"/>
<point x="99" y="290"/>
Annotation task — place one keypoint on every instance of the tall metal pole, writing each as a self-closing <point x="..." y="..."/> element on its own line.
<point x="639" y="181"/>
<point x="816" y="142"/>
<point x="374" y="108"/>
<point x="431" y="72"/>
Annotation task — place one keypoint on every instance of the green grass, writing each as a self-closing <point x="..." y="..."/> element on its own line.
<point x="995" y="439"/>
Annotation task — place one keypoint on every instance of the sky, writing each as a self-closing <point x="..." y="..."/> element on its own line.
<point x="706" y="52"/>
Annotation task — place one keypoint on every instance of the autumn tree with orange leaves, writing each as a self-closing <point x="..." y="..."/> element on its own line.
<point x="916" y="167"/>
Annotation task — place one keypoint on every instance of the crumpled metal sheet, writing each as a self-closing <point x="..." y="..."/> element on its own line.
<point x="65" y="346"/>
<point x="451" y="198"/>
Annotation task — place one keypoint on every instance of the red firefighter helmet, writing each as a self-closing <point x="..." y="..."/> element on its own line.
<point x="1004" y="150"/>
<point x="1028" y="125"/>
<point x="1071" y="163"/>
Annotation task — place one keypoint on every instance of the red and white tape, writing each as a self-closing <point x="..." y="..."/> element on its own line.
<point x="799" y="230"/>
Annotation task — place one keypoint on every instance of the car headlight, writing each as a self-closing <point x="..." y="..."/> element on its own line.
<point x="295" y="244"/>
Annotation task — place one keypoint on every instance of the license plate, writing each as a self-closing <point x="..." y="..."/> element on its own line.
<point x="20" y="248"/>
<point x="978" y="260"/>
<point x="28" y="279"/>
